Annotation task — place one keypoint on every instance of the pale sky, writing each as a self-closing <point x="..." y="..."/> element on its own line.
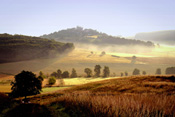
<point x="114" y="17"/>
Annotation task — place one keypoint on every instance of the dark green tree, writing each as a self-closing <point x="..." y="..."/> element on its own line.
<point x="170" y="70"/>
<point x="97" y="70"/>
<point x="54" y="74"/>
<point x="26" y="83"/>
<point x="52" y="80"/>
<point x="158" y="71"/>
<point x="59" y="72"/>
<point x="74" y="73"/>
<point x="41" y="76"/>
<point x="144" y="72"/>
<point x="88" y="71"/>
<point x="136" y="72"/>
<point x="126" y="73"/>
<point x="121" y="74"/>
<point x="65" y="74"/>
<point x="106" y="71"/>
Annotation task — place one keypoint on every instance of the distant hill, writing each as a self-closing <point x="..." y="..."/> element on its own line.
<point x="90" y="36"/>
<point x="18" y="48"/>
<point x="162" y="37"/>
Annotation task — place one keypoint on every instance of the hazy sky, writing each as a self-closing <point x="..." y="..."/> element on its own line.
<point x="114" y="17"/>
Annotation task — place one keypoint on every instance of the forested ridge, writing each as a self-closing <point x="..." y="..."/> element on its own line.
<point x="20" y="47"/>
<point x="90" y="36"/>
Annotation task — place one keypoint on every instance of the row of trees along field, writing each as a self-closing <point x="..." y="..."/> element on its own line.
<point x="169" y="70"/>
<point x="106" y="72"/>
<point x="27" y="83"/>
<point x="88" y="71"/>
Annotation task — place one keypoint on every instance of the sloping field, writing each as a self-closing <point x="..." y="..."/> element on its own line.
<point x="133" y="84"/>
<point x="131" y="96"/>
<point x="82" y="58"/>
<point x="134" y="96"/>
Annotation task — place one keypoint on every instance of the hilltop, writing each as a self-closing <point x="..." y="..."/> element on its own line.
<point x="163" y="37"/>
<point x="19" y="48"/>
<point x="90" y="36"/>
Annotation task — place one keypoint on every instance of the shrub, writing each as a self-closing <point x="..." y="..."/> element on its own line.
<point x="52" y="80"/>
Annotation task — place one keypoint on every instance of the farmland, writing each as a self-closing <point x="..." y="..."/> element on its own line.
<point x="127" y="96"/>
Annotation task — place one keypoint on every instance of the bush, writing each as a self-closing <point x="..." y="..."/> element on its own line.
<point x="52" y="80"/>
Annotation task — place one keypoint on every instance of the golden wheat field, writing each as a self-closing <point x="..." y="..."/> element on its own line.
<point x="130" y="96"/>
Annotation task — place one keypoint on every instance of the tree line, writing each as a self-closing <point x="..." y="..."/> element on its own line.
<point x="27" y="83"/>
<point x="106" y="72"/>
<point x="169" y="70"/>
<point x="88" y="72"/>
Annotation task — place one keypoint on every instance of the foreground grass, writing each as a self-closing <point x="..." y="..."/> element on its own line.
<point x="89" y="105"/>
<point x="135" y="96"/>
<point x="131" y="96"/>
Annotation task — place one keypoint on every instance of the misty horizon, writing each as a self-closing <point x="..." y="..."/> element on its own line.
<point x="117" y="18"/>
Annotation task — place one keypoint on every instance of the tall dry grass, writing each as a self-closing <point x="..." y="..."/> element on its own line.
<point x="105" y="105"/>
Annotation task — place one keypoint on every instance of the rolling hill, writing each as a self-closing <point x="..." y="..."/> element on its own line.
<point x="163" y="37"/>
<point x="19" y="48"/>
<point x="90" y="36"/>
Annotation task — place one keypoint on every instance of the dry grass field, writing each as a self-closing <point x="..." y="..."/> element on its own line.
<point x="134" y="96"/>
<point x="80" y="59"/>
<point x="130" y="96"/>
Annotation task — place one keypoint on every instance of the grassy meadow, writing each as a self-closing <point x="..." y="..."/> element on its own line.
<point x="130" y="96"/>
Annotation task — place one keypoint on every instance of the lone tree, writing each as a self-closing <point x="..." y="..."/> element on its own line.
<point x="41" y="74"/>
<point x="158" y="71"/>
<point x="74" y="73"/>
<point x="106" y="71"/>
<point x="88" y="71"/>
<point x="170" y="70"/>
<point x="144" y="72"/>
<point x="97" y="70"/>
<point x="126" y="73"/>
<point x="26" y="83"/>
<point x="136" y="72"/>
<point x="121" y="74"/>
<point x="65" y="74"/>
<point x="133" y="59"/>
<point x="59" y="72"/>
<point x="52" y="80"/>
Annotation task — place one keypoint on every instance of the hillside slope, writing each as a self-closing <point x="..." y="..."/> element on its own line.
<point x="131" y="84"/>
<point x="18" y="48"/>
<point x="90" y="36"/>
<point x="162" y="37"/>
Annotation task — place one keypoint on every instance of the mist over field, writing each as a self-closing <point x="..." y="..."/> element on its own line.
<point x="91" y="58"/>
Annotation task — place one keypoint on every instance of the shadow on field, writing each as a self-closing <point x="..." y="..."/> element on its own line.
<point x="29" y="110"/>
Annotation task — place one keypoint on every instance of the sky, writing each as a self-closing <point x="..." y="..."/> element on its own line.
<point x="114" y="17"/>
